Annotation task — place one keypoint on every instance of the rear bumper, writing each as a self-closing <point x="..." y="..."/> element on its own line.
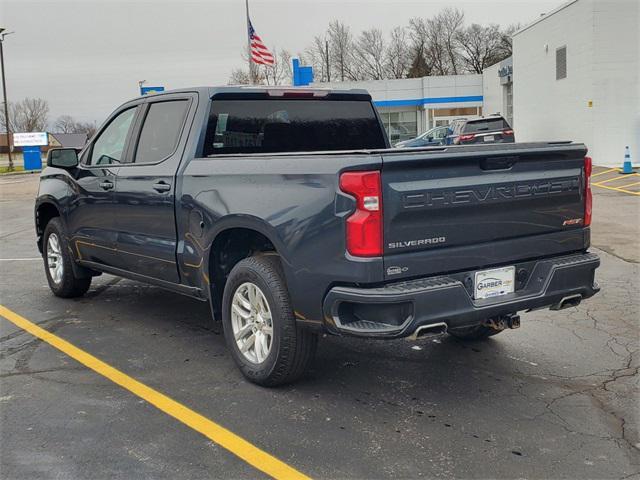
<point x="398" y="309"/>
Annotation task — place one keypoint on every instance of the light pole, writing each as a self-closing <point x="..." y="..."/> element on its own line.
<point x="4" y="94"/>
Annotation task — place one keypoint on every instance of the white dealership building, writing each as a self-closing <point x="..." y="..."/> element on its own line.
<point x="410" y="106"/>
<point x="575" y="75"/>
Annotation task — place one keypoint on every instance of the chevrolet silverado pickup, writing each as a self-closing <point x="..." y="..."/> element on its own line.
<point x="287" y="210"/>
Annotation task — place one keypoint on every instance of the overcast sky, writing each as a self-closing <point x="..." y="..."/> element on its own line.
<point x="85" y="57"/>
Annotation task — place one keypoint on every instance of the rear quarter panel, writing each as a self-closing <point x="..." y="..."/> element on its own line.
<point x="293" y="201"/>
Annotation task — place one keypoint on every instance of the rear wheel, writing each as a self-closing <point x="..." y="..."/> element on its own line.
<point x="58" y="263"/>
<point x="478" y="332"/>
<point x="259" y="326"/>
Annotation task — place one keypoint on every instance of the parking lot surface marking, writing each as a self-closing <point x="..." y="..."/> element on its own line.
<point x="629" y="185"/>
<point x="630" y="180"/>
<point x="605" y="171"/>
<point x="30" y="259"/>
<point x="235" y="444"/>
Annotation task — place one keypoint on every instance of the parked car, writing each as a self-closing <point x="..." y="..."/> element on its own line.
<point x="435" y="136"/>
<point x="399" y="133"/>
<point x="492" y="129"/>
<point x="256" y="201"/>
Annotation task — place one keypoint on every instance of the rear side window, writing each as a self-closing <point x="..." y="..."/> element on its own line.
<point x="267" y="126"/>
<point x="486" y="125"/>
<point x="161" y="131"/>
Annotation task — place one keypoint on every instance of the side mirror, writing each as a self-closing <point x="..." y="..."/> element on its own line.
<point x="62" y="158"/>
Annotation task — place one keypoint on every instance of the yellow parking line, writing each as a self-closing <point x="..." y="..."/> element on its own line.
<point x="629" y="185"/>
<point x="606" y="171"/>
<point x="220" y="435"/>
<point x="617" y="189"/>
<point x="617" y="178"/>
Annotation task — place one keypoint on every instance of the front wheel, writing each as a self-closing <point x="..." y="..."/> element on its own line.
<point x="58" y="263"/>
<point x="259" y="326"/>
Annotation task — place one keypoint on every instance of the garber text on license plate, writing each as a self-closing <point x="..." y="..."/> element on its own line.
<point x="493" y="283"/>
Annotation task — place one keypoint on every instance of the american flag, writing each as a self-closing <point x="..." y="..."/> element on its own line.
<point x="259" y="51"/>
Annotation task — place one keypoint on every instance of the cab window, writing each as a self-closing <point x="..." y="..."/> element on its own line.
<point x="161" y="131"/>
<point x="109" y="147"/>
<point x="267" y="126"/>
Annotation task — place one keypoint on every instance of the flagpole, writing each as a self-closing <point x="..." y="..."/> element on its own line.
<point x="251" y="75"/>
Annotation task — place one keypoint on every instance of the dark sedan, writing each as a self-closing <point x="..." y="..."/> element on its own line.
<point x="435" y="136"/>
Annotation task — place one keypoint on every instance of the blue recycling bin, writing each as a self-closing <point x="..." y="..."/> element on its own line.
<point x="32" y="158"/>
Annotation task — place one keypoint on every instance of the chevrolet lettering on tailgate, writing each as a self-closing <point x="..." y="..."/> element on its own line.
<point x="491" y="193"/>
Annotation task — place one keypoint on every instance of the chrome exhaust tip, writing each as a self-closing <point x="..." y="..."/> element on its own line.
<point x="431" y="330"/>
<point x="568" y="302"/>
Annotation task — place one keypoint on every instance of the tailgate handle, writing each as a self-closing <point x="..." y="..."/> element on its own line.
<point x="498" y="163"/>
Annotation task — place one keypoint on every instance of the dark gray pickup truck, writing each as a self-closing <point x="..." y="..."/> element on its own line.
<point x="287" y="211"/>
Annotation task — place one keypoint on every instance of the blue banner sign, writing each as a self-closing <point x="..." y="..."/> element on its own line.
<point x="150" y="90"/>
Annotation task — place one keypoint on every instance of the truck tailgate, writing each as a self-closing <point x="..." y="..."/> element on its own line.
<point x="468" y="207"/>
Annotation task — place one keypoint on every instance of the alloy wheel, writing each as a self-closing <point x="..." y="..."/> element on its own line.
<point x="251" y="322"/>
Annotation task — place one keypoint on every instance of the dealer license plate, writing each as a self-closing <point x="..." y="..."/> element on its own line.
<point x="495" y="282"/>
<point x="489" y="138"/>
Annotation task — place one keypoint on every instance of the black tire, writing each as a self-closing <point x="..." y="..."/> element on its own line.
<point x="478" y="332"/>
<point x="68" y="286"/>
<point x="292" y="348"/>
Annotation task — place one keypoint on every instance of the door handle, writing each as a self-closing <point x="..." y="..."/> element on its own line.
<point x="161" y="187"/>
<point x="106" y="185"/>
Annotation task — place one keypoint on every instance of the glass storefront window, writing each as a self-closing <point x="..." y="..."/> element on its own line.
<point x="508" y="101"/>
<point x="400" y="125"/>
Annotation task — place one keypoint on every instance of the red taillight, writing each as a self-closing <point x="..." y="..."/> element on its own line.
<point x="588" y="198"/>
<point x="507" y="132"/>
<point x="364" y="226"/>
<point x="464" y="138"/>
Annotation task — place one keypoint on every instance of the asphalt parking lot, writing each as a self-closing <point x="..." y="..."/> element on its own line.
<point x="557" y="398"/>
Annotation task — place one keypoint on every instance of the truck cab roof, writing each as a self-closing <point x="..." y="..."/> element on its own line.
<point x="255" y="91"/>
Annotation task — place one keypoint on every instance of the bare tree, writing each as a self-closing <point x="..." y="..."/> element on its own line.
<point x="417" y="34"/>
<point x="450" y="22"/>
<point x="398" y="54"/>
<point x="280" y="72"/>
<point x="90" y="128"/>
<point x="439" y="45"/>
<point x="419" y="67"/>
<point x="65" y="124"/>
<point x="480" y="46"/>
<point x="436" y="38"/>
<point x="436" y="52"/>
<point x="28" y="115"/>
<point x="368" y="55"/>
<point x="341" y="51"/>
<point x="317" y="55"/>
<point x="239" y="76"/>
<point x="505" y="49"/>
